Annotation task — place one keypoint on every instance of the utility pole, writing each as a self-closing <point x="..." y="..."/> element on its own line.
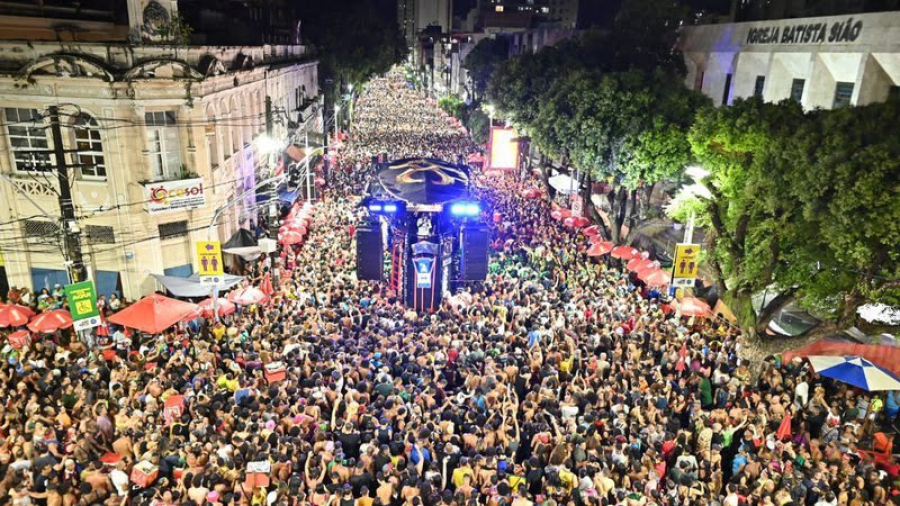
<point x="71" y="232"/>
<point x="273" y="205"/>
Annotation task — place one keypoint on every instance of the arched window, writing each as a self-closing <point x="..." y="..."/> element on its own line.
<point x="88" y="158"/>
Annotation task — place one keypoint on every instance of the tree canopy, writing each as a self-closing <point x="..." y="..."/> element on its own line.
<point x="354" y="39"/>
<point x="484" y="59"/>
<point x="807" y="202"/>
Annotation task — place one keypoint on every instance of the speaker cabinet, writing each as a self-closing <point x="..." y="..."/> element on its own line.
<point x="474" y="253"/>
<point x="369" y="254"/>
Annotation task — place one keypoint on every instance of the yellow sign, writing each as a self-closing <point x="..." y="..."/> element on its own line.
<point x="209" y="258"/>
<point x="1" y="259"/>
<point x="687" y="264"/>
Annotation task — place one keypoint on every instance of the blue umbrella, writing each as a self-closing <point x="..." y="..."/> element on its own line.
<point x="855" y="371"/>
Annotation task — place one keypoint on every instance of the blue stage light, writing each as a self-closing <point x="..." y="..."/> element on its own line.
<point x="375" y="208"/>
<point x="390" y="208"/>
<point x="465" y="209"/>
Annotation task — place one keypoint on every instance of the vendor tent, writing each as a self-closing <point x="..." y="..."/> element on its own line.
<point x="244" y="244"/>
<point x="191" y="286"/>
<point x="154" y="313"/>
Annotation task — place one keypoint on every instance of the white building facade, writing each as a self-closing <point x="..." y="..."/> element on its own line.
<point x="823" y="62"/>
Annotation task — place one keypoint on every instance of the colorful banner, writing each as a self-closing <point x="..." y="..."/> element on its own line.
<point x="169" y="196"/>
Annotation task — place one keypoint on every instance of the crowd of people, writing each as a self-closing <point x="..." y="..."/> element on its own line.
<point x="558" y="382"/>
<point x="397" y="121"/>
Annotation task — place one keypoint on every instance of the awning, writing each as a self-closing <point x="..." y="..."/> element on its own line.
<point x="240" y="239"/>
<point x="249" y="253"/>
<point x="191" y="287"/>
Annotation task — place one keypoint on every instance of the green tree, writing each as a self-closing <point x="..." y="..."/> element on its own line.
<point x="478" y="124"/>
<point x="452" y="105"/>
<point x="807" y="203"/>
<point x="851" y="197"/>
<point x="354" y="39"/>
<point x="628" y="129"/>
<point x="483" y="60"/>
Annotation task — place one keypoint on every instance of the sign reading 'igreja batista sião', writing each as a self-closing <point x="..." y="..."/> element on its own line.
<point x="837" y="32"/>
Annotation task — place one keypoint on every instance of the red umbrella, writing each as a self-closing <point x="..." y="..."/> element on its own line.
<point x="624" y="252"/>
<point x="153" y="314"/>
<point x="576" y="221"/>
<point x="248" y="296"/>
<point x="226" y="307"/>
<point x="599" y="249"/>
<point x="290" y="237"/>
<point x="19" y="339"/>
<point x="692" y="306"/>
<point x="15" y="315"/>
<point x="50" y="321"/>
<point x="638" y="264"/>
<point x="655" y="277"/>
<point x="591" y="231"/>
<point x="294" y="226"/>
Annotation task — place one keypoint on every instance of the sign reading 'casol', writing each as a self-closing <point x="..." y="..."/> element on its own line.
<point x="838" y="32"/>
<point x="168" y="196"/>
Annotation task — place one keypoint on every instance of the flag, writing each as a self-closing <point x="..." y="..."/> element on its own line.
<point x="784" y="430"/>
<point x="266" y="285"/>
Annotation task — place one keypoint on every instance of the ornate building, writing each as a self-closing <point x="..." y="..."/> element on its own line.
<point x="158" y="134"/>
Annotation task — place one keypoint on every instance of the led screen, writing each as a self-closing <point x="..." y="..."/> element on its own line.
<point x="504" y="148"/>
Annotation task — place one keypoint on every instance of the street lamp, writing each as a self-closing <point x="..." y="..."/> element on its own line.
<point x="268" y="145"/>
<point x="698" y="174"/>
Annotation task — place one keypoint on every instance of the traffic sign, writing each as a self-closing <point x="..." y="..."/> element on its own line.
<point x="686" y="265"/>
<point x="209" y="259"/>
<point x="83" y="304"/>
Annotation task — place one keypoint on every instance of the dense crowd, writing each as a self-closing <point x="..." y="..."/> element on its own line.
<point x="558" y="383"/>
<point x="394" y="120"/>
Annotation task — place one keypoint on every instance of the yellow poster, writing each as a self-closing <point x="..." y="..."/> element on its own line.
<point x="209" y="258"/>
<point x="687" y="264"/>
<point x="1" y="259"/>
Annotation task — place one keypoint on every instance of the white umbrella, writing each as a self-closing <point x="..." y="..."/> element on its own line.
<point x="563" y="184"/>
<point x="855" y="371"/>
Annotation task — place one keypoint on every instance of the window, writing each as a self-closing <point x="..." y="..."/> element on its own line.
<point x="89" y="158"/>
<point x="727" y="91"/>
<point x="758" y="87"/>
<point x="173" y="229"/>
<point x="163" y="144"/>
<point x="99" y="234"/>
<point x="797" y="89"/>
<point x="843" y="92"/>
<point x="41" y="228"/>
<point x="28" y="140"/>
